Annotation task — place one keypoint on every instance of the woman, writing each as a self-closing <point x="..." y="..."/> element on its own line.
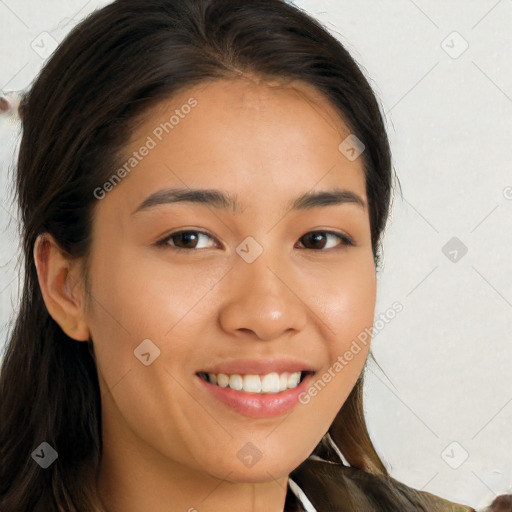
<point x="147" y="370"/>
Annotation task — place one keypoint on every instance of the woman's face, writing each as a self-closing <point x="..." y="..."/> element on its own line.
<point x="251" y="292"/>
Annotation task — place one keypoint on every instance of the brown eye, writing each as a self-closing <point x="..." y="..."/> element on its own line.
<point x="318" y="239"/>
<point x="184" y="240"/>
<point x="188" y="238"/>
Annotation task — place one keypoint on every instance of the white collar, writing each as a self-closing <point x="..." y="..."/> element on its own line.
<point x="308" y="507"/>
<point x="299" y="493"/>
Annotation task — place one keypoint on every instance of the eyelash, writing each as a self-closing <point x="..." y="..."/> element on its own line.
<point x="345" y="240"/>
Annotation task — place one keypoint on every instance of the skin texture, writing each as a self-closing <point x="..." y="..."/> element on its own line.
<point x="169" y="446"/>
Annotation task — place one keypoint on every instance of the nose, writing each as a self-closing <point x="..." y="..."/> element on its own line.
<point x="263" y="302"/>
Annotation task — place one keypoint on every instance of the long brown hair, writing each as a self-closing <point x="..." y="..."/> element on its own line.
<point x="76" y="118"/>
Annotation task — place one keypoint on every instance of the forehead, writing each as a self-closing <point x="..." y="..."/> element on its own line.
<point x="265" y="100"/>
<point x="251" y="137"/>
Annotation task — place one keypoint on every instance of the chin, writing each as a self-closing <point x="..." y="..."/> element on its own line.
<point x="264" y="474"/>
<point x="260" y="472"/>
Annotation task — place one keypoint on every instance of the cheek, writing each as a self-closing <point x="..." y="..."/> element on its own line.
<point x="346" y="303"/>
<point x="135" y="299"/>
<point x="345" y="298"/>
<point x="353" y="321"/>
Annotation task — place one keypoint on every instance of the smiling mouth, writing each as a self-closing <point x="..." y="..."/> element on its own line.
<point x="270" y="383"/>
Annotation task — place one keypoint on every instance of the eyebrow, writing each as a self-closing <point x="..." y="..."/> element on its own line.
<point x="223" y="200"/>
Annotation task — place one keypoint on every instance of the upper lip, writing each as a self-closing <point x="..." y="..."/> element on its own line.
<point x="259" y="366"/>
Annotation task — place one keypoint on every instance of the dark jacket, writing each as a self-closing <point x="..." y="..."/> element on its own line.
<point x="331" y="484"/>
<point x="333" y="487"/>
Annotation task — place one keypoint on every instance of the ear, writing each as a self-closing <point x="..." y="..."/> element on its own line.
<point x="60" y="282"/>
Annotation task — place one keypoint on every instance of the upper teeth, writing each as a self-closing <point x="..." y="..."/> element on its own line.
<point x="269" y="383"/>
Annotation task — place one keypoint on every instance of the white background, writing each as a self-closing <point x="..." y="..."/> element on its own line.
<point x="447" y="389"/>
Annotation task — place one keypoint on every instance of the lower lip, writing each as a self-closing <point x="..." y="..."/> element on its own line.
<point x="257" y="405"/>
